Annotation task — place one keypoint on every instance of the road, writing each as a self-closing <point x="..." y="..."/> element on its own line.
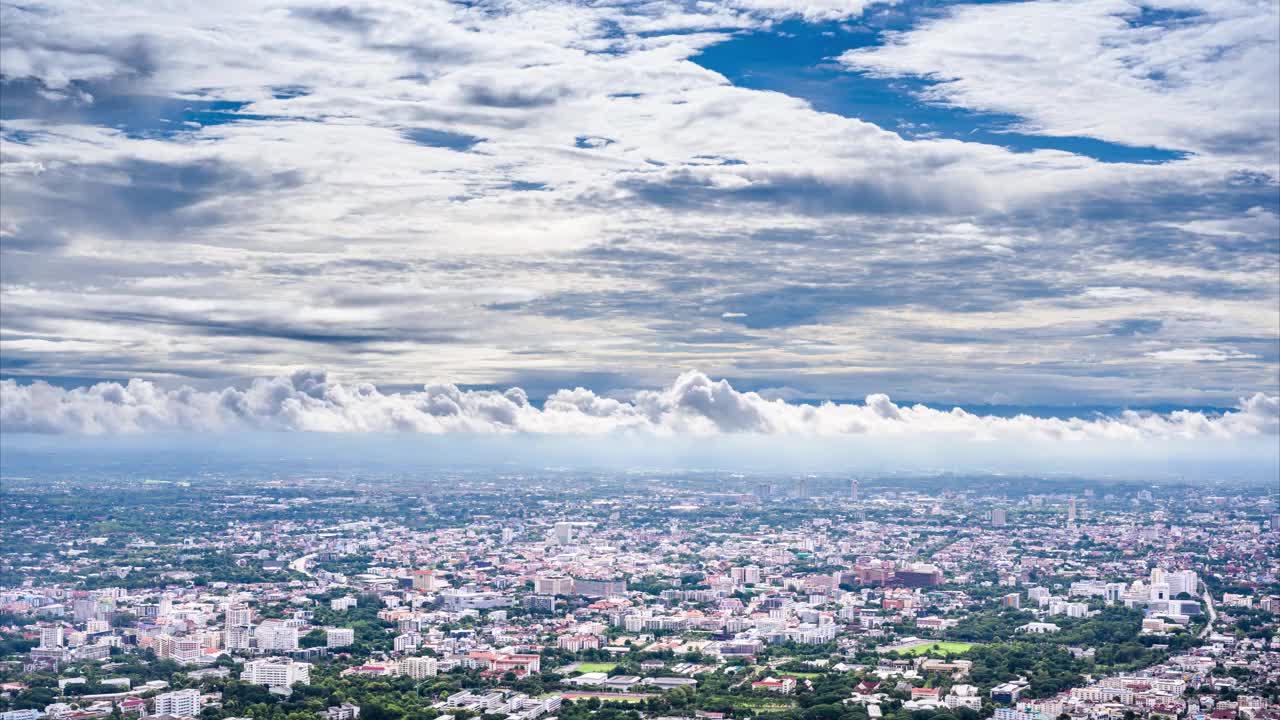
<point x="300" y="565"/>
<point x="1213" y="613"/>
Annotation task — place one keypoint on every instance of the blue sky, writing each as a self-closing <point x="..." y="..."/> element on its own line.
<point x="1032" y="205"/>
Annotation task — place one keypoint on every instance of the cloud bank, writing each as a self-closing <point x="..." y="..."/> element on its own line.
<point x="692" y="405"/>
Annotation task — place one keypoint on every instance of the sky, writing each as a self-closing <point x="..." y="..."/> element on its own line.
<point x="679" y="219"/>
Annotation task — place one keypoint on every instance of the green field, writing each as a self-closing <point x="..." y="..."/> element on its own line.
<point x="939" y="648"/>
<point x="587" y="667"/>
<point x="760" y="703"/>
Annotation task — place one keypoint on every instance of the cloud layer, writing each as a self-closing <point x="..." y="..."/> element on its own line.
<point x="693" y="405"/>
<point x="551" y="194"/>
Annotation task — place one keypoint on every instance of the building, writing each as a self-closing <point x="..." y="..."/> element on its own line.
<point x="589" y="587"/>
<point x="426" y="581"/>
<point x="276" y="672"/>
<point x="239" y="614"/>
<point x="276" y="636"/>
<point x="419" y="668"/>
<point x="455" y="600"/>
<point x="1008" y="693"/>
<point x="917" y="575"/>
<point x="342" y="604"/>
<point x="238" y="633"/>
<point x="407" y="641"/>
<point x="345" y="711"/>
<point x="180" y="703"/>
<point x="553" y="585"/>
<point x="51" y="636"/>
<point x="576" y="643"/>
<point x="179" y="649"/>
<point x="999" y="517"/>
<point x="339" y="637"/>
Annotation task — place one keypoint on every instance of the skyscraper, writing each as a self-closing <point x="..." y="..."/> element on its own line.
<point x="999" y="517"/>
<point x="1071" y="510"/>
<point x="853" y="489"/>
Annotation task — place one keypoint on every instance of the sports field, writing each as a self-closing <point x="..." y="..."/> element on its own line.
<point x="939" y="648"/>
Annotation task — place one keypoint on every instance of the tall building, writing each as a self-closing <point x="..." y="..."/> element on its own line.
<point x="802" y="488"/>
<point x="419" y="667"/>
<point x="276" y="672"/>
<point x="426" y="581"/>
<point x="853" y="490"/>
<point x="179" y="703"/>
<point x="238" y="637"/>
<point x="239" y="627"/>
<point x="1183" y="581"/>
<point x="51" y="636"/>
<point x="276" y="636"/>
<point x="1071" y="510"/>
<point x="564" y="532"/>
<point x="239" y="614"/>
<point x="999" y="517"/>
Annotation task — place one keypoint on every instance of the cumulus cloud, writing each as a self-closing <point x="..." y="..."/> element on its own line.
<point x="693" y="405"/>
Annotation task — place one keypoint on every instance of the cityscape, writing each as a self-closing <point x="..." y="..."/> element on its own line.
<point x="473" y="593"/>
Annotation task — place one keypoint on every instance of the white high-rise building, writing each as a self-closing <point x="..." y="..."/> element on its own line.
<point x="239" y="614"/>
<point x="999" y="517"/>
<point x="276" y="636"/>
<point x="1183" y="581"/>
<point x="276" y="672"/>
<point x="180" y="703"/>
<point x="339" y="637"/>
<point x="239" y="627"/>
<point x="419" y="667"/>
<point x="564" y="532"/>
<point x="51" y="636"/>
<point x="238" y="637"/>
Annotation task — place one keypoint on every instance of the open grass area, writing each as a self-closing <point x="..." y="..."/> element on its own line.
<point x="764" y="704"/>
<point x="587" y="667"/>
<point x="939" y="648"/>
<point x="605" y="697"/>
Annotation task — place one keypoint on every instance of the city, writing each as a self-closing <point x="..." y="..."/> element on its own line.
<point x="621" y="596"/>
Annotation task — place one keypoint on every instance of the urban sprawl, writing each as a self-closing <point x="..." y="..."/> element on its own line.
<point x="631" y="596"/>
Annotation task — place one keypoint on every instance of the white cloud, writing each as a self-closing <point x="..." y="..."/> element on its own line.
<point x="1196" y="76"/>
<point x="693" y="405"/>
<point x="739" y="231"/>
<point x="1196" y="355"/>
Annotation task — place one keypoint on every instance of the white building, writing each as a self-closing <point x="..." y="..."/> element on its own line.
<point x="407" y="641"/>
<point x="276" y="672"/>
<point x="276" y="636"/>
<point x="553" y="585"/>
<point x="181" y="703"/>
<point x="419" y="667"/>
<point x="339" y="637"/>
<point x="51" y="636"/>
